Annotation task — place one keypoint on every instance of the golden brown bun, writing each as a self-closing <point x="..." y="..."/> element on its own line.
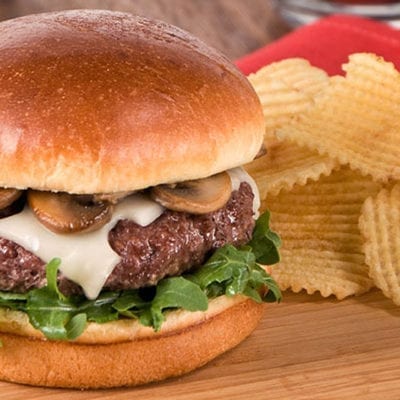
<point x="99" y="101"/>
<point x="186" y="341"/>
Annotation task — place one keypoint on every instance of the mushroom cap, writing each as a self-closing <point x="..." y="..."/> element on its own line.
<point x="65" y="213"/>
<point x="200" y="196"/>
<point x="100" y="102"/>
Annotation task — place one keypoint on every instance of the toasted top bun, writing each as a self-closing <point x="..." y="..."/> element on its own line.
<point x="98" y="101"/>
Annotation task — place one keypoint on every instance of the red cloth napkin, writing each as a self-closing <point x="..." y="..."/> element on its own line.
<point x="328" y="42"/>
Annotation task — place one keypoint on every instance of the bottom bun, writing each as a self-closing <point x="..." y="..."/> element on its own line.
<point x="123" y="353"/>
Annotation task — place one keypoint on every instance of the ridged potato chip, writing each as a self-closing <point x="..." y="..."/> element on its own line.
<point x="279" y="102"/>
<point x="286" y="164"/>
<point x="296" y="73"/>
<point x="286" y="88"/>
<point x="380" y="226"/>
<point x="321" y="243"/>
<point x="356" y="119"/>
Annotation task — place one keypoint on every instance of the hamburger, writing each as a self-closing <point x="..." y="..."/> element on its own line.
<point x="130" y="249"/>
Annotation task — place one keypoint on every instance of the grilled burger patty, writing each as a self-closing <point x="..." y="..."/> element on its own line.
<point x="173" y="243"/>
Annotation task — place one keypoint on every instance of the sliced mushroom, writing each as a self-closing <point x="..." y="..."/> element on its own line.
<point x="12" y="201"/>
<point x="199" y="196"/>
<point x="66" y="213"/>
<point x="8" y="196"/>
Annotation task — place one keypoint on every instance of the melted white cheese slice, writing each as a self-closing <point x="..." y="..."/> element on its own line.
<point x="87" y="258"/>
<point x="239" y="175"/>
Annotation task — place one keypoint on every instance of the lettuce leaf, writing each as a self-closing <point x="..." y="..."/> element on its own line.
<point x="265" y="243"/>
<point x="56" y="315"/>
<point x="229" y="271"/>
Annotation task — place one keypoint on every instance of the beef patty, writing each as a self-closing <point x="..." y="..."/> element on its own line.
<point x="172" y="244"/>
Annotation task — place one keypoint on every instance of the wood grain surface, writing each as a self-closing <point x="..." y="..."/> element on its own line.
<point x="306" y="347"/>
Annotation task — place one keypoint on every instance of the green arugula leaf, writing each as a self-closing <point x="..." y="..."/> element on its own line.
<point x="131" y="304"/>
<point x="226" y="269"/>
<point x="265" y="243"/>
<point x="176" y="292"/>
<point x="75" y="326"/>
<point x="146" y="317"/>
<point x="130" y="299"/>
<point x="232" y="271"/>
<point x="102" y="309"/>
<point x="223" y="266"/>
<point x="15" y="301"/>
<point x="51" y="277"/>
<point x="8" y="296"/>
<point x="50" y="311"/>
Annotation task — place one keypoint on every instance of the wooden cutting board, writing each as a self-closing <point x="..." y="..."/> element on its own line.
<point x="307" y="347"/>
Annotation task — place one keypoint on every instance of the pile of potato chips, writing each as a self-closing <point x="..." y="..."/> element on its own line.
<point x="331" y="176"/>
